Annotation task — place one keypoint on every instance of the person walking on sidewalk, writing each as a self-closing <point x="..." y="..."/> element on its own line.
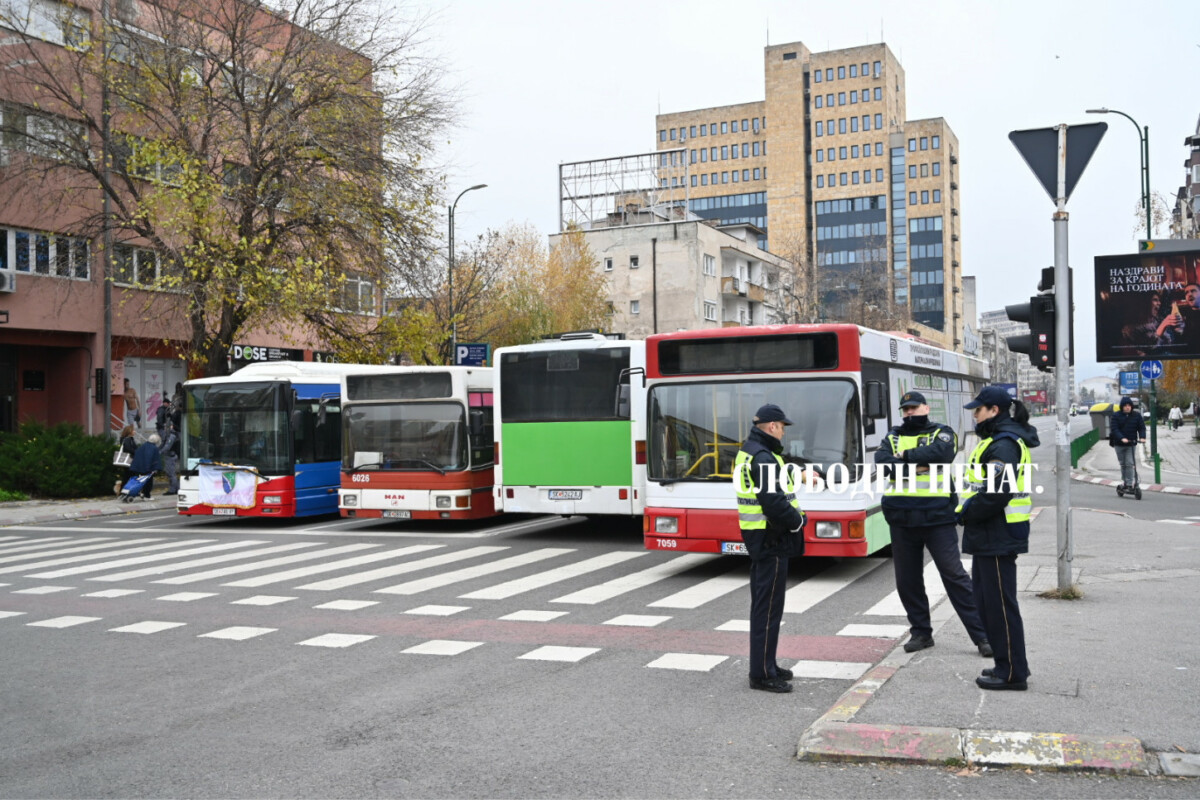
<point x="1175" y="415"/>
<point x="994" y="510"/>
<point x="1126" y="431"/>
<point x="772" y="527"/>
<point x="919" y="508"/>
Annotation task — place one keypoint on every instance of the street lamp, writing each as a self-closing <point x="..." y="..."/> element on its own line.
<point x="1144" y="136"/>
<point x="454" y="323"/>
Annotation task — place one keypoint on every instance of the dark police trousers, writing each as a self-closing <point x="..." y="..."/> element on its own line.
<point x="995" y="579"/>
<point x="768" y="583"/>
<point x="908" y="559"/>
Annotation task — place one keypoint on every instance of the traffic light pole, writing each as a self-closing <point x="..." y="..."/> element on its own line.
<point x="1062" y="373"/>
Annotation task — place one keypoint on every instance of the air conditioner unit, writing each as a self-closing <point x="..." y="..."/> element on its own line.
<point x="8" y="280"/>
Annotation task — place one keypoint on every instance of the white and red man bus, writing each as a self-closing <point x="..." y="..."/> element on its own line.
<point x="840" y="384"/>
<point x="417" y="443"/>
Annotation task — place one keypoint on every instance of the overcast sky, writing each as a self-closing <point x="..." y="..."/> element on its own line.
<point x="548" y="81"/>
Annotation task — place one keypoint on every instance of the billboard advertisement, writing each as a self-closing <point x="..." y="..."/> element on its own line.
<point x="1148" y="306"/>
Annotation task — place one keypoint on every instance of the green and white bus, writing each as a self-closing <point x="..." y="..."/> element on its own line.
<point x="571" y="432"/>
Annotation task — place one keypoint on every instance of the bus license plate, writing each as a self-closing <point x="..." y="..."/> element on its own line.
<point x="224" y="512"/>
<point x="393" y="514"/>
<point x="566" y="494"/>
<point x="738" y="548"/>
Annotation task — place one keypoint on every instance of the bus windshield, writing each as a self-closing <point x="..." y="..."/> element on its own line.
<point x="245" y="425"/>
<point x="405" y="436"/>
<point x="695" y="429"/>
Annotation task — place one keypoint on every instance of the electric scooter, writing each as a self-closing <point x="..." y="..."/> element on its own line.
<point x="1136" y="489"/>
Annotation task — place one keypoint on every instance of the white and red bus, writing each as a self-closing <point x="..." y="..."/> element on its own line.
<point x="840" y="384"/>
<point x="417" y="443"/>
<point x="262" y="442"/>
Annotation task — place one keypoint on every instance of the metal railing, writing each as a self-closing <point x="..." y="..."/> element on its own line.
<point x="1081" y="444"/>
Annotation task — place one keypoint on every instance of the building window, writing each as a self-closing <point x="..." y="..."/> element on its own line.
<point x="633" y="262"/>
<point x="912" y="170"/>
<point x="754" y="124"/>
<point x="724" y="127"/>
<point x="710" y="311"/>
<point x="937" y="142"/>
<point x="842" y="178"/>
<point x="819" y="102"/>
<point x="820" y="156"/>
<point x="924" y="170"/>
<point x="841" y="124"/>
<point x="878" y="121"/>
<point x="608" y="265"/>
<point x="912" y="198"/>
<point x="703" y="154"/>
<point x="854" y="70"/>
<point x="693" y="157"/>
<point x="912" y="145"/>
<point x="854" y="124"/>
<point x="866" y="122"/>
<point x="937" y="168"/>
<point x="820" y="129"/>
<point x="924" y="197"/>
<point x="734" y="151"/>
<point x="841" y="73"/>
<point x="879" y="176"/>
<point x="866" y="176"/>
<point x="724" y="152"/>
<point x="714" y="179"/>
<point x="841" y="98"/>
<point x="694" y="180"/>
<point x="745" y="174"/>
<point x="704" y="130"/>
<point x="710" y="264"/>
<point x="829" y="73"/>
<point x="704" y="179"/>
<point x="829" y="100"/>
<point x="816" y="74"/>
<point x="692" y="132"/>
<point x="854" y="97"/>
<point x="879" y="148"/>
<point x="635" y="306"/>
<point x="878" y="93"/>
<point x="937" y="195"/>
<point x="745" y="125"/>
<point x="854" y="177"/>
<point x="724" y="177"/>
<point x="842" y="152"/>
<point x="757" y="174"/>
<point x="672" y="134"/>
<point x="924" y="142"/>
<point x="735" y="176"/>
<point x="878" y="70"/>
<point x="755" y="149"/>
<point x="854" y="151"/>
<point x="820" y="181"/>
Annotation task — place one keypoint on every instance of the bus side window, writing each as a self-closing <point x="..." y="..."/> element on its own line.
<point x="483" y="449"/>
<point x="327" y="438"/>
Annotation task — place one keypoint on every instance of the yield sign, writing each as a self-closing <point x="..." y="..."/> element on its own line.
<point x="1039" y="148"/>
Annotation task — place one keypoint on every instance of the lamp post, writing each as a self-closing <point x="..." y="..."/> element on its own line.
<point x="454" y="323"/>
<point x="1144" y="137"/>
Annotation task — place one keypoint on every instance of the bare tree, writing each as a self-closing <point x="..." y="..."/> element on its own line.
<point x="261" y="164"/>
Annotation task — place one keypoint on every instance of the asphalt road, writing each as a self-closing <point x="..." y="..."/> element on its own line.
<point x="527" y="658"/>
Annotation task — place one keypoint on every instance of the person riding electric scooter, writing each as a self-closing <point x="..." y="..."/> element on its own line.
<point x="1126" y="430"/>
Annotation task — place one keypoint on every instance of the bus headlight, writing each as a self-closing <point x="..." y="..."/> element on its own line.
<point x="272" y="500"/>
<point x="350" y="500"/>
<point x="666" y="524"/>
<point x="829" y="530"/>
<point x="441" y="501"/>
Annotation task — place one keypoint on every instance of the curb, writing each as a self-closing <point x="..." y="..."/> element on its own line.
<point x="1084" y="477"/>
<point x="834" y="736"/>
<point x="116" y="508"/>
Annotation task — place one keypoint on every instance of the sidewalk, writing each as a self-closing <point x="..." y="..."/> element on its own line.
<point x="28" y="512"/>
<point x="1115" y="682"/>
<point x="1180" y="453"/>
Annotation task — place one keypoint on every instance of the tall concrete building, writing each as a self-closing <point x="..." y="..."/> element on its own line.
<point x="862" y="200"/>
<point x="1007" y="366"/>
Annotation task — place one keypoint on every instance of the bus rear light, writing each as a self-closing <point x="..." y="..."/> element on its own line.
<point x="508" y="494"/>
<point x="441" y="501"/>
<point x="857" y="529"/>
<point x="666" y="524"/>
<point x="496" y="453"/>
<point x="622" y="494"/>
<point x="639" y="452"/>
<point x="462" y="502"/>
<point x="829" y="530"/>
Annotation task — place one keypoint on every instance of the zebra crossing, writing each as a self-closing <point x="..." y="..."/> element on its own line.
<point x="564" y="591"/>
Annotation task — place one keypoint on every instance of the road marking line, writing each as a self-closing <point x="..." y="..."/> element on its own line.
<point x="559" y="653"/>
<point x="336" y="640"/>
<point x="22" y="544"/>
<point x="392" y="571"/>
<point x="693" y="662"/>
<point x="186" y="597"/>
<point x="75" y="548"/>
<point x="128" y="562"/>
<point x="62" y="622"/>
<point x="637" y="620"/>
<point x="534" y="616"/>
<point x="541" y="579"/>
<point x="935" y="590"/>
<point x="701" y="593"/>
<point x="441" y="647"/>
<point x="159" y="569"/>
<point x="262" y="600"/>
<point x="223" y="572"/>
<point x="6" y="614"/>
<point x="304" y="572"/>
<point x="347" y="605"/>
<point x="114" y="593"/>
<point x="43" y="590"/>
<point x="478" y="571"/>
<point x="238" y="633"/>
<point x="738" y="625"/>
<point x="147" y="627"/>
<point x="637" y="580"/>
<point x="874" y="631"/>
<point x="437" y="611"/>
<point x="820" y="587"/>
<point x="839" y="670"/>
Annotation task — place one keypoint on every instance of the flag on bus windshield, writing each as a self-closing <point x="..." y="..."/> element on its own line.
<point x="224" y="485"/>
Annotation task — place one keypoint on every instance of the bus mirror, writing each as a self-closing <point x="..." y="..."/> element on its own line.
<point x="321" y="412"/>
<point x="876" y="400"/>
<point x="297" y="419"/>
<point x="622" y="404"/>
<point x="476" y="422"/>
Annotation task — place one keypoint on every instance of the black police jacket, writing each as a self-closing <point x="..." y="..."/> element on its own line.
<point x="778" y="538"/>
<point x="917" y="512"/>
<point x="986" y="530"/>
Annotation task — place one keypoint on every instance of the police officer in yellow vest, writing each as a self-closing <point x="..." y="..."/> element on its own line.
<point x="919" y="508"/>
<point x="772" y="527"/>
<point x="994" y="511"/>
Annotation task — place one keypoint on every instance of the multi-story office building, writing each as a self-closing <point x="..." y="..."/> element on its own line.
<point x="1007" y="366"/>
<point x="835" y="176"/>
<point x="1186" y="214"/>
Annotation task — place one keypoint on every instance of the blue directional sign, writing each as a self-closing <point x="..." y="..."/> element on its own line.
<point x="1129" y="382"/>
<point x="1152" y="370"/>
<point x="471" y="355"/>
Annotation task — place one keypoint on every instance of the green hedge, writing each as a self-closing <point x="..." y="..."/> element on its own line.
<point x="60" y="461"/>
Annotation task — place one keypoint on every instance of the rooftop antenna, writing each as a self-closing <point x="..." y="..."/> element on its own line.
<point x="769" y="32"/>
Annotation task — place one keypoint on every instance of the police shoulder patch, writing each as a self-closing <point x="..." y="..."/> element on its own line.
<point x="945" y="437"/>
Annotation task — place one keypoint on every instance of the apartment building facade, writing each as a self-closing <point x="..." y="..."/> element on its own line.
<point x="830" y="169"/>
<point x="53" y="326"/>
<point x="668" y="274"/>
<point x="1185" y="223"/>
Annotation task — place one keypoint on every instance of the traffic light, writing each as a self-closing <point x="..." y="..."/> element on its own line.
<point x="1038" y="344"/>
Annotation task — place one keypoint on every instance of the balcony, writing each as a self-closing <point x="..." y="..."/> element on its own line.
<point x="731" y="323"/>
<point x="733" y="286"/>
<point x="755" y="293"/>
